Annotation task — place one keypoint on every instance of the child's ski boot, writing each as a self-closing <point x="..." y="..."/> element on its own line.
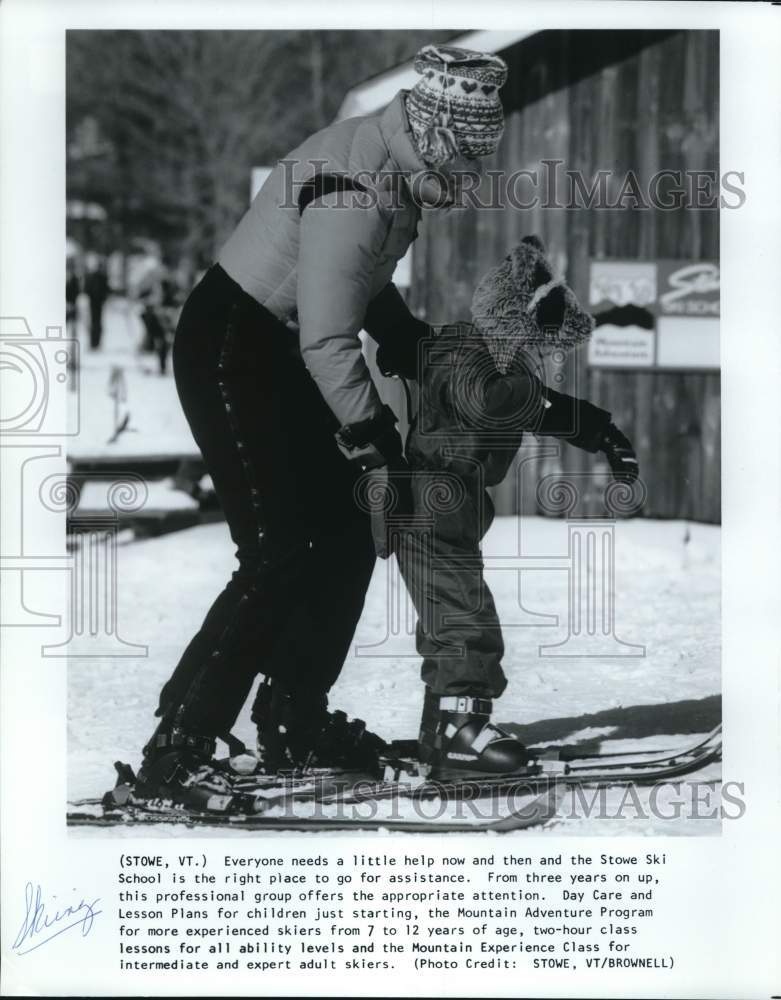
<point x="460" y="742"/>
<point x="428" y="742"/>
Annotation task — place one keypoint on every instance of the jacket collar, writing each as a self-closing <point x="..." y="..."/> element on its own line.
<point x="395" y="129"/>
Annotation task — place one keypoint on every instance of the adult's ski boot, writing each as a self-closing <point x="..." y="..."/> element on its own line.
<point x="459" y="741"/>
<point x="179" y="767"/>
<point x="296" y="730"/>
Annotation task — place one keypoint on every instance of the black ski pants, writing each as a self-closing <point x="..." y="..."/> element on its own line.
<point x="304" y="548"/>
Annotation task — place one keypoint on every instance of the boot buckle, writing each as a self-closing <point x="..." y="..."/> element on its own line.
<point x="465" y="705"/>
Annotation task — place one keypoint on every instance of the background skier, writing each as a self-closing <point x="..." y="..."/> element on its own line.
<point x="96" y="288"/>
<point x="72" y="292"/>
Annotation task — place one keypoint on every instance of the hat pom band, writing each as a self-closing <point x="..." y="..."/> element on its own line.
<point x="438" y="145"/>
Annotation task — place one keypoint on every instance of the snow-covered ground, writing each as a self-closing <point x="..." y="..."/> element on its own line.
<point x="667" y="586"/>
<point x="157" y="424"/>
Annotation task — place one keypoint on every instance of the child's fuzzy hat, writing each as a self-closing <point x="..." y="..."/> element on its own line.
<point x="519" y="305"/>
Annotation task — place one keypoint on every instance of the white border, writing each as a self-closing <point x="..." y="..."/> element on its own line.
<point x="728" y="894"/>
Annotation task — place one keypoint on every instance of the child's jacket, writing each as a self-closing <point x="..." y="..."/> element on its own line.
<point x="469" y="415"/>
<point x="468" y="425"/>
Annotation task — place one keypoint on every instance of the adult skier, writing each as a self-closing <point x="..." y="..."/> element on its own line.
<point x="268" y="366"/>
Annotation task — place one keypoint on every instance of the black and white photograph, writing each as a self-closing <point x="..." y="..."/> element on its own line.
<point x="451" y="301"/>
<point x="390" y="504"/>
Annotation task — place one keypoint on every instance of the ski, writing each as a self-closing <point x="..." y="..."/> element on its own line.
<point x="537" y="812"/>
<point x="546" y="764"/>
<point x="638" y="759"/>
<point x="641" y="767"/>
<point x="546" y="780"/>
<point x="570" y="751"/>
<point x="600" y="773"/>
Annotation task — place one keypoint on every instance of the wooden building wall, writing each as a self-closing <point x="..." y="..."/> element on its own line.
<point x="620" y="101"/>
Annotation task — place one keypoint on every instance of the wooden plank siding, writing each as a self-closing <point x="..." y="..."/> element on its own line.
<point x="617" y="101"/>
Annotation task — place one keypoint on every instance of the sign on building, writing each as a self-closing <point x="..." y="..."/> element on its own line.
<point x="654" y="314"/>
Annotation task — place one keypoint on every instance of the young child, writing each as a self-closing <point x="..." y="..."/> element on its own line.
<point x="477" y="395"/>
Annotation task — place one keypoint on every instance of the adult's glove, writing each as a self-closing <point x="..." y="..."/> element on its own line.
<point x="399" y="356"/>
<point x="620" y="455"/>
<point x="384" y="489"/>
<point x="397" y="331"/>
<point x="373" y="442"/>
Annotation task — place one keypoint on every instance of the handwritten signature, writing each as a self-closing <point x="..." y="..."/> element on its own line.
<point x="40" y="921"/>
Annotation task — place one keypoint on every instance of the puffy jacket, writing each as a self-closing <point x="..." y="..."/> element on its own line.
<point x="469" y="415"/>
<point x="318" y="267"/>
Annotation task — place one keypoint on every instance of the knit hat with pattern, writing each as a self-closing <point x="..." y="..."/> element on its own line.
<point x="455" y="108"/>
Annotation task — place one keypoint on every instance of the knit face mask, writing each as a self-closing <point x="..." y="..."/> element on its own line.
<point x="454" y="109"/>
